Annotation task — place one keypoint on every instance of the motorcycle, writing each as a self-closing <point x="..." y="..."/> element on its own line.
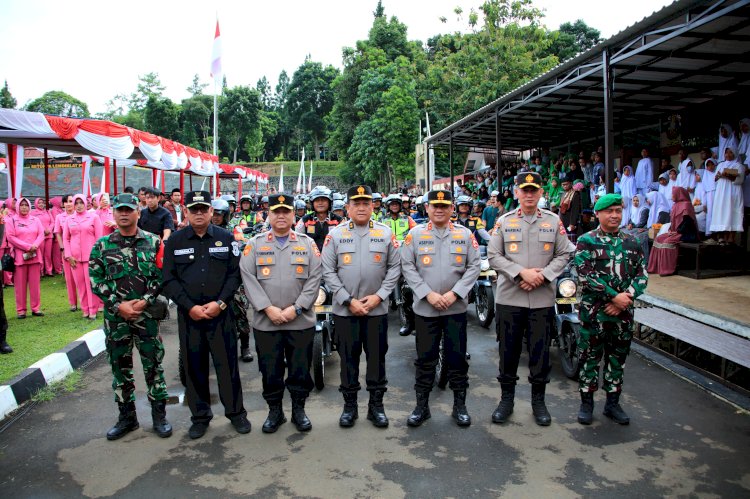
<point x="567" y="324"/>
<point x="482" y="295"/>
<point x="404" y="297"/>
<point x="324" y="341"/>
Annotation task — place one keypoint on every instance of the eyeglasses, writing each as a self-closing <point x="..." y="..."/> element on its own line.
<point x="198" y="209"/>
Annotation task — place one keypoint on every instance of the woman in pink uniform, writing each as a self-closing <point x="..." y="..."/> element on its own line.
<point x="105" y="213"/>
<point x="9" y="211"/>
<point x="57" y="261"/>
<point x="80" y="232"/>
<point x="26" y="234"/>
<point x="60" y="221"/>
<point x="43" y="215"/>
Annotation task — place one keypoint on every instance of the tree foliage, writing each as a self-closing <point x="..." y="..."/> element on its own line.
<point x="161" y="117"/>
<point x="7" y="100"/>
<point x="239" y="114"/>
<point x="573" y="38"/>
<point x="59" y="103"/>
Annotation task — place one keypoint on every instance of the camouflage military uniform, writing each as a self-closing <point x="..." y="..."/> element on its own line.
<point x="122" y="269"/>
<point x="607" y="264"/>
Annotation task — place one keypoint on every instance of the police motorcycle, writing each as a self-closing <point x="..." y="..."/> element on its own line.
<point x="567" y="324"/>
<point x="324" y="341"/>
<point x="482" y="295"/>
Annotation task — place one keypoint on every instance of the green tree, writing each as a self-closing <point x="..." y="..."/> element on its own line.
<point x="161" y="117"/>
<point x="310" y="99"/>
<point x="264" y="89"/>
<point x="59" y="103"/>
<point x="148" y="85"/>
<point x="196" y="88"/>
<point x="239" y="113"/>
<point x="7" y="100"/>
<point x="196" y="122"/>
<point x="573" y="38"/>
<point x="281" y="91"/>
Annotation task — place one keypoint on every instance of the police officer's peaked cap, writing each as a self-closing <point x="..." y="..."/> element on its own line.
<point x="529" y="179"/>
<point x="440" y="196"/>
<point x="276" y="201"/>
<point x="359" y="192"/>
<point x="196" y="198"/>
<point x="125" y="200"/>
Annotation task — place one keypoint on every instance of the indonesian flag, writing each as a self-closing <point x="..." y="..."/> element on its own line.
<point x="216" y="56"/>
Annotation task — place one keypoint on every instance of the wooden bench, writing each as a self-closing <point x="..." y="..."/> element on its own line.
<point x="733" y="350"/>
<point x="705" y="261"/>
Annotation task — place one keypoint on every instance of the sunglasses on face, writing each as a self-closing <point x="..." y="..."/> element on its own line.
<point x="198" y="209"/>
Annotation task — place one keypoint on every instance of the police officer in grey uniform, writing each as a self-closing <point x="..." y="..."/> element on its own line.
<point x="529" y="249"/>
<point x="281" y="271"/>
<point x="440" y="261"/>
<point x="361" y="266"/>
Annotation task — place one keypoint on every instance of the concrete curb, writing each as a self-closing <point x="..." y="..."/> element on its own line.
<point x="51" y="368"/>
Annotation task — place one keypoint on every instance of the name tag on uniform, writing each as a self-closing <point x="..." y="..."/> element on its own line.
<point x="311" y="229"/>
<point x="221" y="249"/>
<point x="186" y="251"/>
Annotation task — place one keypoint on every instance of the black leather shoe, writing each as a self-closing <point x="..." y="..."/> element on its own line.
<point x="299" y="418"/>
<point x="613" y="410"/>
<point x="21" y="316"/>
<point x="541" y="414"/>
<point x="350" y="412"/>
<point x="37" y="314"/>
<point x="421" y="412"/>
<point x="505" y="407"/>
<point x="404" y="331"/>
<point x="376" y="411"/>
<point x="460" y="414"/>
<point x="127" y="422"/>
<point x="245" y="355"/>
<point x="241" y="424"/>
<point x="586" y="411"/>
<point x="159" y="418"/>
<point x="197" y="430"/>
<point x="275" y="419"/>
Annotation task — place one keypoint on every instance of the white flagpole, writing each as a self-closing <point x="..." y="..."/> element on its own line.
<point x="309" y="185"/>
<point x="302" y="167"/>
<point x="281" y="180"/>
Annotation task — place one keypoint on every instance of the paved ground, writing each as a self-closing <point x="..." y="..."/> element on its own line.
<point x="682" y="442"/>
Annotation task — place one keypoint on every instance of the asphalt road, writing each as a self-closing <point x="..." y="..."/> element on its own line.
<point x="682" y="441"/>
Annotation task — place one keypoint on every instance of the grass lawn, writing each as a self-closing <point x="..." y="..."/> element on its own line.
<point x="36" y="337"/>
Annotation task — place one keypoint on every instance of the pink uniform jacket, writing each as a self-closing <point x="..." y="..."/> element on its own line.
<point x="80" y="232"/>
<point x="44" y="216"/>
<point x="23" y="232"/>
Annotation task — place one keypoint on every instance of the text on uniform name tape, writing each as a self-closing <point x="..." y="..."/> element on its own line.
<point x="185" y="251"/>
<point x="221" y="249"/>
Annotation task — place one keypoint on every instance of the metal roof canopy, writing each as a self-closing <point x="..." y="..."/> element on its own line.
<point x="688" y="53"/>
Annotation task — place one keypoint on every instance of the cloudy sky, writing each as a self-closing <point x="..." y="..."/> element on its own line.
<point x="94" y="50"/>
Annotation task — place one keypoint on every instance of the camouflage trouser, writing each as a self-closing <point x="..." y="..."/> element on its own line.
<point x="610" y="340"/>
<point x="240" y="306"/>
<point x="120" y="337"/>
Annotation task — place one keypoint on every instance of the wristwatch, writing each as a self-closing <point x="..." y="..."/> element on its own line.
<point x="221" y="304"/>
<point x="347" y="302"/>
<point x="298" y="311"/>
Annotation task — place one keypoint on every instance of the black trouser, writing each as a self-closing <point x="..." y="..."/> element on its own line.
<point x="452" y="328"/>
<point x="290" y="349"/>
<point x="219" y="338"/>
<point x="513" y="325"/>
<point x="354" y="334"/>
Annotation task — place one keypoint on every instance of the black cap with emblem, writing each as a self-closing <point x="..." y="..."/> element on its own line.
<point x="196" y="198"/>
<point x="529" y="179"/>
<point x="359" y="192"/>
<point x="276" y="201"/>
<point x="439" y="196"/>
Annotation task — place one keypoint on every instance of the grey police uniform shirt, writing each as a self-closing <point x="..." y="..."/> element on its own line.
<point x="281" y="275"/>
<point x="359" y="261"/>
<point x="523" y="242"/>
<point x="440" y="260"/>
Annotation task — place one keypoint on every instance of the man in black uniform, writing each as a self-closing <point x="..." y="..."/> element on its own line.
<point x="201" y="274"/>
<point x="155" y="218"/>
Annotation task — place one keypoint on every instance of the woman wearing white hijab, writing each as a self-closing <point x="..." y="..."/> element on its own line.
<point x="686" y="176"/>
<point x="728" y="208"/>
<point x="743" y="150"/>
<point x="658" y="209"/>
<point x="665" y="186"/>
<point x="726" y="139"/>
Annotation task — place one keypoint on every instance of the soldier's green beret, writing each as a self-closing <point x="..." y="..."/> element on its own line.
<point x="608" y="200"/>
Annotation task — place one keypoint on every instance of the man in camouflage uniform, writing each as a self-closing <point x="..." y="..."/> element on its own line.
<point x="124" y="274"/>
<point x="612" y="275"/>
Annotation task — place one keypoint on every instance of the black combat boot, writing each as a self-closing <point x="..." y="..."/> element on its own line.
<point x="299" y="418"/>
<point x="246" y="355"/>
<point x="541" y="414"/>
<point x="350" y="413"/>
<point x="127" y="422"/>
<point x="505" y="407"/>
<point x="421" y="412"/>
<point x="4" y="347"/>
<point x="407" y="327"/>
<point x="460" y="414"/>
<point x="613" y="410"/>
<point x="586" y="412"/>
<point x="275" y="418"/>
<point x="375" y="409"/>
<point x="159" y="417"/>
